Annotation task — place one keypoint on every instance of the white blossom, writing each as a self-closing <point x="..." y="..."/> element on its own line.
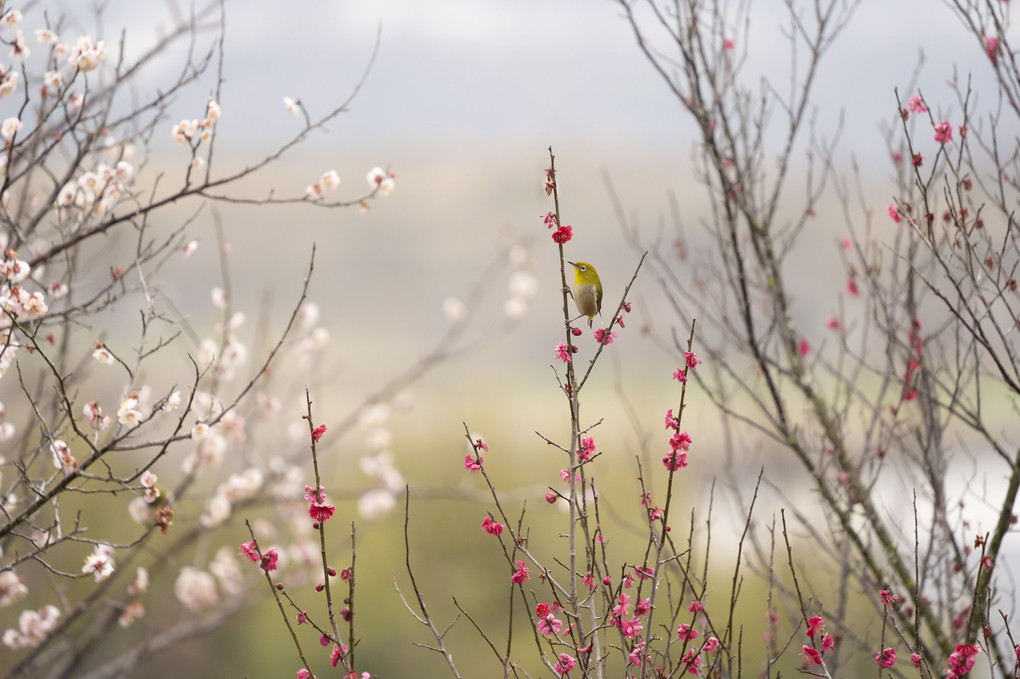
<point x="195" y="589"/>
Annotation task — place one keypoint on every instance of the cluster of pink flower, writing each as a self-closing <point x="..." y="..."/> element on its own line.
<point x="473" y="463"/>
<point x="548" y="624"/>
<point x="814" y="628"/>
<point x="268" y="559"/>
<point x="562" y="234"/>
<point x="630" y="626"/>
<point x="916" y="347"/>
<point x="686" y="633"/>
<point x="680" y="442"/>
<point x="318" y="509"/>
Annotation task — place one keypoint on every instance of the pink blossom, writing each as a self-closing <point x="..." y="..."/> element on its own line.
<point x="589" y="580"/>
<point x="943" y="132"/>
<point x="635" y="654"/>
<point x="680" y="375"/>
<point x="886" y="658"/>
<point x="887" y="598"/>
<point x="550" y="497"/>
<point x="828" y="643"/>
<point x="696" y="606"/>
<point x="727" y="43"/>
<point x="549" y="625"/>
<point x="992" y="48"/>
<point x="671" y="422"/>
<point x="803" y="348"/>
<point x="643" y="606"/>
<point x="894" y="213"/>
<point x="916" y="104"/>
<point x="814" y="625"/>
<point x="710" y="645"/>
<point x="565" y="664"/>
<point x="630" y="627"/>
<point x="249" y="551"/>
<point x="851" y="285"/>
<point x="318" y="432"/>
<point x="549" y="219"/>
<point x="563" y="352"/>
<point x="916" y="659"/>
<point x="491" y="527"/>
<point x="563" y="234"/>
<point x="644" y="572"/>
<point x="674" y="461"/>
<point x="691" y="660"/>
<point x="269" y="559"/>
<point x="603" y="336"/>
<point x="320" y="511"/>
<point x="471" y="463"/>
<point x="691" y="359"/>
<point x="335" y="656"/>
<point x="304" y="674"/>
<point x="313" y="495"/>
<point x="962" y="659"/>
<point x="521" y="574"/>
<point x="686" y="632"/>
<point x="833" y="323"/>
<point x="681" y="442"/>
<point x="811" y="655"/>
<point x="587" y="449"/>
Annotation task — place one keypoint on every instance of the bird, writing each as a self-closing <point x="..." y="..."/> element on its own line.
<point x="587" y="290"/>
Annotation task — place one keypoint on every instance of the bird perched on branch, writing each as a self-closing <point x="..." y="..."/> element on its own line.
<point x="587" y="290"/>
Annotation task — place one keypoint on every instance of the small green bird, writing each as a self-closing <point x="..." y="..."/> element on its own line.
<point x="587" y="290"/>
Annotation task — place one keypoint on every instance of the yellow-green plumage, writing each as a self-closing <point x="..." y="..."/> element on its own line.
<point x="587" y="290"/>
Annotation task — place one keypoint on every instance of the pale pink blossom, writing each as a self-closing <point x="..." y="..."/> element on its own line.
<point x="12" y="588"/>
<point x="46" y="37"/>
<point x="8" y="84"/>
<point x="86" y="55"/>
<point x="10" y="127"/>
<point x="195" y="589"/>
<point x="100" y="562"/>
<point x="11" y="19"/>
<point x="19" y="47"/>
<point x="62" y="457"/>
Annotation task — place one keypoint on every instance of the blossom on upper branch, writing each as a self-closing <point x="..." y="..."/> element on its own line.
<point x="943" y="132"/>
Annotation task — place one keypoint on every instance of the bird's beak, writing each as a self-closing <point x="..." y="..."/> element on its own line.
<point x="571" y="264"/>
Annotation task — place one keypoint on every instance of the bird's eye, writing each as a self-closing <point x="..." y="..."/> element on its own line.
<point x="583" y="268"/>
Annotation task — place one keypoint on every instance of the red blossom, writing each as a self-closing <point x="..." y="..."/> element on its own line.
<point x="471" y="463"/>
<point x="250" y="551"/>
<point x="320" y="511"/>
<point x="674" y="461"/>
<point x="685" y="632"/>
<point x="944" y="132"/>
<point x="318" y="432"/>
<point x="811" y="655"/>
<point x="814" y="625"/>
<point x="491" y="527"/>
<point x="269" y="559"/>
<point x="886" y="658"/>
<point x="521" y="574"/>
<point x="563" y="234"/>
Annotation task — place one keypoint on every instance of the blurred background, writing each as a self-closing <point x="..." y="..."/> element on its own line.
<point x="461" y="104"/>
